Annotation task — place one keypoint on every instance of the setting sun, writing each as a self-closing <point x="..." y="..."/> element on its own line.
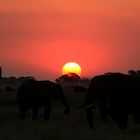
<point x="71" y="67"/>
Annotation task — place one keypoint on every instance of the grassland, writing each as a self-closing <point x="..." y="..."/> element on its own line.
<point x="59" y="127"/>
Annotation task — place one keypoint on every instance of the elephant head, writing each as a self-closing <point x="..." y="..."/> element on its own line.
<point x="58" y="94"/>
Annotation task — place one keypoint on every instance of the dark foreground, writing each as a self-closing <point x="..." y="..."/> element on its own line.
<point x="59" y="127"/>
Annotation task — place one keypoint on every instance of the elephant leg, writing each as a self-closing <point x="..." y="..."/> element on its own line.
<point x="22" y="114"/>
<point x="23" y="111"/>
<point x="103" y="111"/>
<point x="121" y="116"/>
<point x="122" y="121"/>
<point x="135" y="113"/>
<point x="35" y="113"/>
<point x="136" y="116"/>
<point x="47" y="111"/>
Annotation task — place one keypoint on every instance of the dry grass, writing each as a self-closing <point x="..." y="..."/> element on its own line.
<point x="59" y="127"/>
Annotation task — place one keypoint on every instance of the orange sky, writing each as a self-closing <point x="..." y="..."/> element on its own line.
<point x="37" y="37"/>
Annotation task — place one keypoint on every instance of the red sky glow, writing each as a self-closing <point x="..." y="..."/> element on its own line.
<point x="38" y="37"/>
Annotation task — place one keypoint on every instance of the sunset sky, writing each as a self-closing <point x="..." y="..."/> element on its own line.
<point x="37" y="37"/>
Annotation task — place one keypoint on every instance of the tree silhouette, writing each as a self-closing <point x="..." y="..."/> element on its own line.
<point x="70" y="77"/>
<point x="132" y="72"/>
<point x="135" y="73"/>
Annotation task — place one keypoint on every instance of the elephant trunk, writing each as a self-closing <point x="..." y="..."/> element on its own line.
<point x="65" y="103"/>
<point x="89" y="100"/>
<point x="89" y="114"/>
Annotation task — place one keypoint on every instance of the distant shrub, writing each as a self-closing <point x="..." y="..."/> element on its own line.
<point x="12" y="78"/>
<point x="29" y="77"/>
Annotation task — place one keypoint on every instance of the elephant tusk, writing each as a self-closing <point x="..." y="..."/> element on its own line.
<point x="89" y="106"/>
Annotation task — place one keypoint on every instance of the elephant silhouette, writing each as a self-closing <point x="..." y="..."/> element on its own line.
<point x="34" y="94"/>
<point x="117" y="95"/>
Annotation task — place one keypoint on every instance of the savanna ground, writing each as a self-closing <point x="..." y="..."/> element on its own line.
<point x="59" y="127"/>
